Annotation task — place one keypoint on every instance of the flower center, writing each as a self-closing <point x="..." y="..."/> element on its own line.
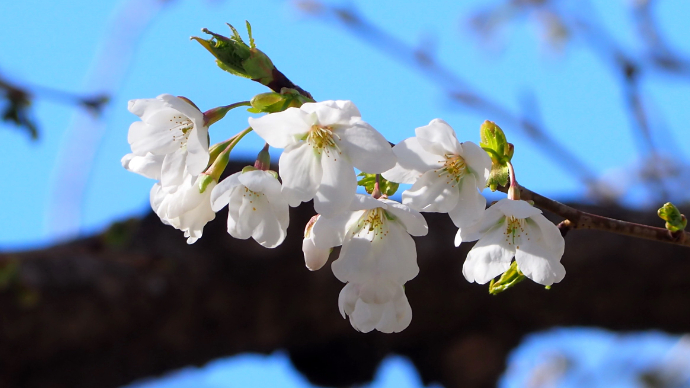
<point x="515" y="229"/>
<point x="372" y="224"/>
<point x="252" y="196"/>
<point x="181" y="128"/>
<point x="454" y="169"/>
<point x="321" y="138"/>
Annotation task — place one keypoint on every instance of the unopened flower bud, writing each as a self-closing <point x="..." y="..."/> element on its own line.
<point x="263" y="160"/>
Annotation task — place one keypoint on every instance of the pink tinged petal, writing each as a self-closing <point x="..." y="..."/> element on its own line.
<point x="366" y="148"/>
<point x="471" y="204"/>
<point x="220" y="195"/>
<point x="438" y="138"/>
<point x="148" y="166"/>
<point x="412" y="220"/>
<point x="366" y="316"/>
<point x="269" y="232"/>
<point x="490" y="219"/>
<point x="490" y="257"/>
<point x="282" y="129"/>
<point x="538" y="262"/>
<point x="550" y="235"/>
<point x="314" y="257"/>
<point x="331" y="112"/>
<point x="338" y="185"/>
<point x="516" y="208"/>
<point x="300" y="169"/>
<point x="478" y="161"/>
<point x="348" y="298"/>
<point x="432" y="193"/>
<point x="412" y="162"/>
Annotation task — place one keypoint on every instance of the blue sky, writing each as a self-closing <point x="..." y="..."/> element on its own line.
<point x="68" y="45"/>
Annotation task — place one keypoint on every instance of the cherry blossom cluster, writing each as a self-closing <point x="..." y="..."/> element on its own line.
<point x="323" y="144"/>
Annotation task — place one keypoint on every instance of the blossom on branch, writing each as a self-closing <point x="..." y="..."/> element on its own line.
<point x="513" y="228"/>
<point x="184" y="206"/>
<point x="446" y="176"/>
<point x="377" y="257"/>
<point x="322" y="143"/>
<point x="174" y="129"/>
<point x="256" y="207"/>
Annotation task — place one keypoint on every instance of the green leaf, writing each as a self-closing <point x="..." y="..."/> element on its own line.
<point x="386" y="187"/>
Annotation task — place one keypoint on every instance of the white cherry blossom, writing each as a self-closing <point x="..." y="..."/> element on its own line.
<point x="173" y="129"/>
<point x="184" y="207"/>
<point x="376" y="259"/>
<point x="446" y="176"/>
<point x="513" y="228"/>
<point x="148" y="165"/>
<point x="322" y="143"/>
<point x="256" y="207"/>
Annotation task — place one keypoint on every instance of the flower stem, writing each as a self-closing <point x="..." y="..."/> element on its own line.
<point x="514" y="190"/>
<point x="577" y="219"/>
<point x="212" y="116"/>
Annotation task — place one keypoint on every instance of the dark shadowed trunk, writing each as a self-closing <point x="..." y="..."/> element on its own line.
<point x="137" y="301"/>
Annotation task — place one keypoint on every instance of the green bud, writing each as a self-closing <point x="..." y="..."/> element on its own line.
<point x="494" y="142"/>
<point x="368" y="181"/>
<point x="507" y="280"/>
<point x="236" y="57"/>
<point x="277" y="102"/>
<point x="674" y="220"/>
<point x="204" y="181"/>
<point x="249" y="168"/>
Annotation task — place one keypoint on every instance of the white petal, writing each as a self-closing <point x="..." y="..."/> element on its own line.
<point x="173" y="170"/>
<point x="478" y="161"/>
<point x="355" y="262"/>
<point x="339" y="112"/>
<point x="149" y="165"/>
<point x="550" y="234"/>
<point x="249" y="215"/>
<point x="144" y="107"/>
<point x="471" y="204"/>
<point x="300" y="169"/>
<point x="182" y="106"/>
<point x="236" y="197"/>
<point x="432" y="193"/>
<point x="539" y="263"/>
<point x="396" y="317"/>
<point x="438" y="138"/>
<point x="413" y="161"/>
<point x="489" y="257"/>
<point x="314" y="257"/>
<point x="412" y="220"/>
<point x="282" y="129"/>
<point x="396" y="256"/>
<point x="269" y="232"/>
<point x="197" y="151"/>
<point x="220" y="196"/>
<point x="338" y="185"/>
<point x="379" y="291"/>
<point x="365" y="202"/>
<point x="516" y="208"/>
<point x="490" y="218"/>
<point x="366" y="148"/>
<point x="329" y="232"/>
<point x="366" y="316"/>
<point x="347" y="298"/>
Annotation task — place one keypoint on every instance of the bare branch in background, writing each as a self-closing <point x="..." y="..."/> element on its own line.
<point x="17" y="108"/>
<point x="457" y="89"/>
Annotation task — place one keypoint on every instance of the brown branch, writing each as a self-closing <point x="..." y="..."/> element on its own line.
<point x="577" y="219"/>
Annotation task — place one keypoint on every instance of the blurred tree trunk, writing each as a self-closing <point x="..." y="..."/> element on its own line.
<point x="136" y="301"/>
